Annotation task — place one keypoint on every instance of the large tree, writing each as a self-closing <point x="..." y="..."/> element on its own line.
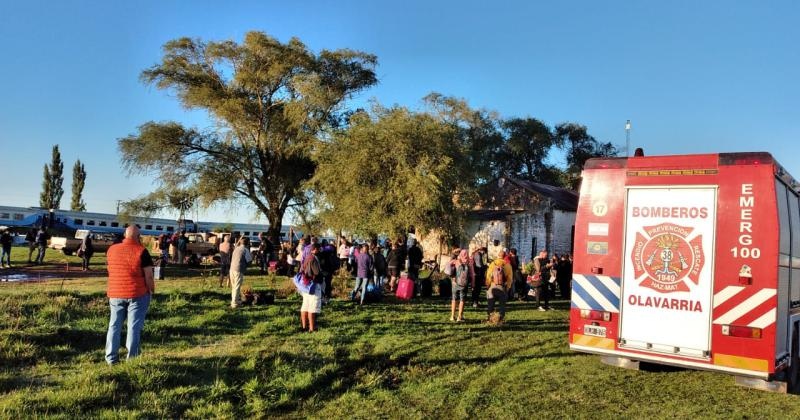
<point x="271" y="103"/>
<point x="52" y="185"/>
<point x="391" y="169"/>
<point x="78" y="182"/>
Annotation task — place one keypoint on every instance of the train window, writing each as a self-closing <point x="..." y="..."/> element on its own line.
<point x="170" y="229"/>
<point x="159" y="227"/>
<point x="138" y="226"/>
<point x="114" y="224"/>
<point x="247" y="234"/>
<point x="90" y="222"/>
<point x="148" y="227"/>
<point x="102" y="223"/>
<point x="19" y="216"/>
<point x="6" y="216"/>
<point x="78" y="221"/>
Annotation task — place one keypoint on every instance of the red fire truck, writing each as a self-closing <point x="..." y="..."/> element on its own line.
<point x="691" y="261"/>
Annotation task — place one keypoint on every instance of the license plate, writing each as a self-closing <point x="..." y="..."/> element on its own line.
<point x="594" y="330"/>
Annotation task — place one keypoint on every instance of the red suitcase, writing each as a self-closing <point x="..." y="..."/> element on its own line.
<point x="405" y="289"/>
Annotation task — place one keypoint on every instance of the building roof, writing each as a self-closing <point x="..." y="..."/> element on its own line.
<point x="562" y="198"/>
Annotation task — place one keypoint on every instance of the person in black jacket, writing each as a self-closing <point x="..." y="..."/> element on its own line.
<point x="86" y="250"/>
<point x="5" y="242"/>
<point x="564" y="276"/>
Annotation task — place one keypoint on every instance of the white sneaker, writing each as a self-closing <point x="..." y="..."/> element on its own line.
<point x="542" y="309"/>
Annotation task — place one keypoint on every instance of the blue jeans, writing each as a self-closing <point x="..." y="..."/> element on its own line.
<point x="361" y="283"/>
<point x="135" y="310"/>
<point x="5" y="254"/>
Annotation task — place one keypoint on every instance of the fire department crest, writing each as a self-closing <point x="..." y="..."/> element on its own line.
<point x="665" y="256"/>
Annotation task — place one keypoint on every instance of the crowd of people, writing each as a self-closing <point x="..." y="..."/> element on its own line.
<point x="377" y="267"/>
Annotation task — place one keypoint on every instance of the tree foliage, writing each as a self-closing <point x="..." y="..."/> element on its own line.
<point x="271" y="103"/>
<point x="393" y="168"/>
<point x="78" y="182"/>
<point x="52" y="185"/>
<point x="580" y="146"/>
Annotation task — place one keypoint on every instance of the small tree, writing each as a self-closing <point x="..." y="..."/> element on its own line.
<point x="52" y="185"/>
<point x="78" y="182"/>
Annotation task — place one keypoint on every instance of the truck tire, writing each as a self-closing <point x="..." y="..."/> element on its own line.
<point x="793" y="374"/>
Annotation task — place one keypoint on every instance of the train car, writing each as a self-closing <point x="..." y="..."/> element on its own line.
<point x="692" y="261"/>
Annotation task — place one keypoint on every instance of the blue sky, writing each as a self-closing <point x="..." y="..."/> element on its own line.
<point x="693" y="77"/>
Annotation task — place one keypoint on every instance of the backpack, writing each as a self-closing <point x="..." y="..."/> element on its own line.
<point x="462" y="275"/>
<point x="498" y="277"/>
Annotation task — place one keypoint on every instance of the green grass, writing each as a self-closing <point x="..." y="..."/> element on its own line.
<point x="388" y="360"/>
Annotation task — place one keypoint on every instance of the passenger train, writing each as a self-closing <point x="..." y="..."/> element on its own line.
<point x="70" y="221"/>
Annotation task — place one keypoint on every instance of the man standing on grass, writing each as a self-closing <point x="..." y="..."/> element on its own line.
<point x="130" y="287"/>
<point x="240" y="258"/>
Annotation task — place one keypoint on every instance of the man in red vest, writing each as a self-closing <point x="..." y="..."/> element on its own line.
<point x="130" y="286"/>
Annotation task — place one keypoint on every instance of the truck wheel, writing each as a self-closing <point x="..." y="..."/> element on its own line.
<point x="793" y="380"/>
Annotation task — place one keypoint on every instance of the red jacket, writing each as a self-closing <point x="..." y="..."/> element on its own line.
<point x="125" y="275"/>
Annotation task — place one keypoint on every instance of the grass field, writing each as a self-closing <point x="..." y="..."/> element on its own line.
<point x="388" y="360"/>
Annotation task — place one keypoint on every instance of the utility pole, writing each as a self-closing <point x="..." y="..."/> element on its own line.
<point x="628" y="138"/>
<point x="118" y="203"/>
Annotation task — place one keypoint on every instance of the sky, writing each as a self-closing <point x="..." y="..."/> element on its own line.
<point x="692" y="76"/>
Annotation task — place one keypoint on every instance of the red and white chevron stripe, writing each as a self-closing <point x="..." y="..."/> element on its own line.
<point x="745" y="306"/>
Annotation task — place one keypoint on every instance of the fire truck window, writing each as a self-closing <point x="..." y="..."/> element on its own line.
<point x="783" y="217"/>
<point x="794" y="219"/>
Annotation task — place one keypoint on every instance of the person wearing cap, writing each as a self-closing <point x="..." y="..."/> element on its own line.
<point x="130" y="288"/>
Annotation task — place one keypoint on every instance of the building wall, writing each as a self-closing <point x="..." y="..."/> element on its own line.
<point x="525" y="229"/>
<point x="564" y="221"/>
<point x="484" y="233"/>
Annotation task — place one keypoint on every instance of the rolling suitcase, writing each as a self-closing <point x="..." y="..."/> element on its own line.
<point x="405" y="288"/>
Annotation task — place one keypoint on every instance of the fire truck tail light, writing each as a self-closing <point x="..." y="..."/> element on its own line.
<point x="595" y="315"/>
<point x="740" y="331"/>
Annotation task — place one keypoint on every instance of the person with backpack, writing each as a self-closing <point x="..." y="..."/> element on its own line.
<point x="312" y="301"/>
<point x="498" y="282"/>
<point x="463" y="275"/>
